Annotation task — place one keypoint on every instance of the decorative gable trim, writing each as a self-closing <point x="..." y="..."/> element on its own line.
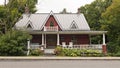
<point x="74" y="26"/>
<point x="29" y="25"/>
<point x="51" y="14"/>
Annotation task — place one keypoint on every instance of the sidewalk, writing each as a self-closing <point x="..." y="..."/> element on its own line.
<point x="59" y="58"/>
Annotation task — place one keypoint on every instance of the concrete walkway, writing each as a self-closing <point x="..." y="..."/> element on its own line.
<point x="59" y="58"/>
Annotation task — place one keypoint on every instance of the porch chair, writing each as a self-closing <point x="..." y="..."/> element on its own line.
<point x="70" y="45"/>
<point x="64" y="45"/>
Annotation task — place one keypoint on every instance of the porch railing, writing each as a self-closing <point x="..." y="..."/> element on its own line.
<point x="92" y="46"/>
<point x="50" y="28"/>
<point x="88" y="46"/>
<point x="35" y="46"/>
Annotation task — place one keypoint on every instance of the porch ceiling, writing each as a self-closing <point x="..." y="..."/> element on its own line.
<point x="68" y="32"/>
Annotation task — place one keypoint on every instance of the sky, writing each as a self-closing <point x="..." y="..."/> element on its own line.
<point x="45" y="6"/>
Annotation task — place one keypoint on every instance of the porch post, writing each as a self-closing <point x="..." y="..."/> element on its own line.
<point x="42" y="39"/>
<point x="58" y="39"/>
<point x="28" y="47"/>
<point x="104" y="39"/>
<point x="104" y="45"/>
<point x="90" y="39"/>
<point x="45" y="41"/>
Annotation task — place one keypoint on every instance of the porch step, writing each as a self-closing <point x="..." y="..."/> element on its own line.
<point x="49" y="51"/>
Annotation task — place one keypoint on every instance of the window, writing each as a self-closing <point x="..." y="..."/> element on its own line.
<point x="51" y="24"/>
<point x="29" y="26"/>
<point x="74" y="39"/>
<point x="73" y="26"/>
<point x="62" y="39"/>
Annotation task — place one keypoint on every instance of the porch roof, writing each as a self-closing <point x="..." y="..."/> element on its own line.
<point x="68" y="32"/>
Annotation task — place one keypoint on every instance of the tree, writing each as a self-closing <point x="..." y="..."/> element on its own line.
<point x="2" y="10"/>
<point x="93" y="12"/>
<point x="111" y="18"/>
<point x="21" y="4"/>
<point x="14" y="44"/>
<point x="12" y="11"/>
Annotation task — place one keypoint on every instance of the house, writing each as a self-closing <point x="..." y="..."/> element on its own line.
<point x="53" y="29"/>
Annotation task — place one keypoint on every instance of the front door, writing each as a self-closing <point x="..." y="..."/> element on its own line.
<point x="51" y="41"/>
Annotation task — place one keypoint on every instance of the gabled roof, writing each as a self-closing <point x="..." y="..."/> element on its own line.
<point x="51" y="13"/>
<point x="73" y="26"/>
<point x="64" y="20"/>
<point x="29" y="24"/>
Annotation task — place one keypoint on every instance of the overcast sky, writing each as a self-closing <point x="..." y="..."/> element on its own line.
<point x="45" y="6"/>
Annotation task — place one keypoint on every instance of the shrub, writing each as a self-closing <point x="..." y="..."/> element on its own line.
<point x="70" y="52"/>
<point x="77" y="52"/>
<point x="58" y="50"/>
<point x="93" y="53"/>
<point x="14" y="43"/>
<point x="36" y="52"/>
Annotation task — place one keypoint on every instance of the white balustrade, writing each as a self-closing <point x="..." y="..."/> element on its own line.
<point x="50" y="28"/>
<point x="86" y="46"/>
<point x="35" y="45"/>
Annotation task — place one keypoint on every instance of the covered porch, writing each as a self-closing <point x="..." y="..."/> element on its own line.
<point x="49" y="37"/>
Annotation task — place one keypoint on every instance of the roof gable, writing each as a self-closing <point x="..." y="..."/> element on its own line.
<point x="51" y="21"/>
<point x="66" y="19"/>
<point x="73" y="26"/>
<point x="29" y="25"/>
